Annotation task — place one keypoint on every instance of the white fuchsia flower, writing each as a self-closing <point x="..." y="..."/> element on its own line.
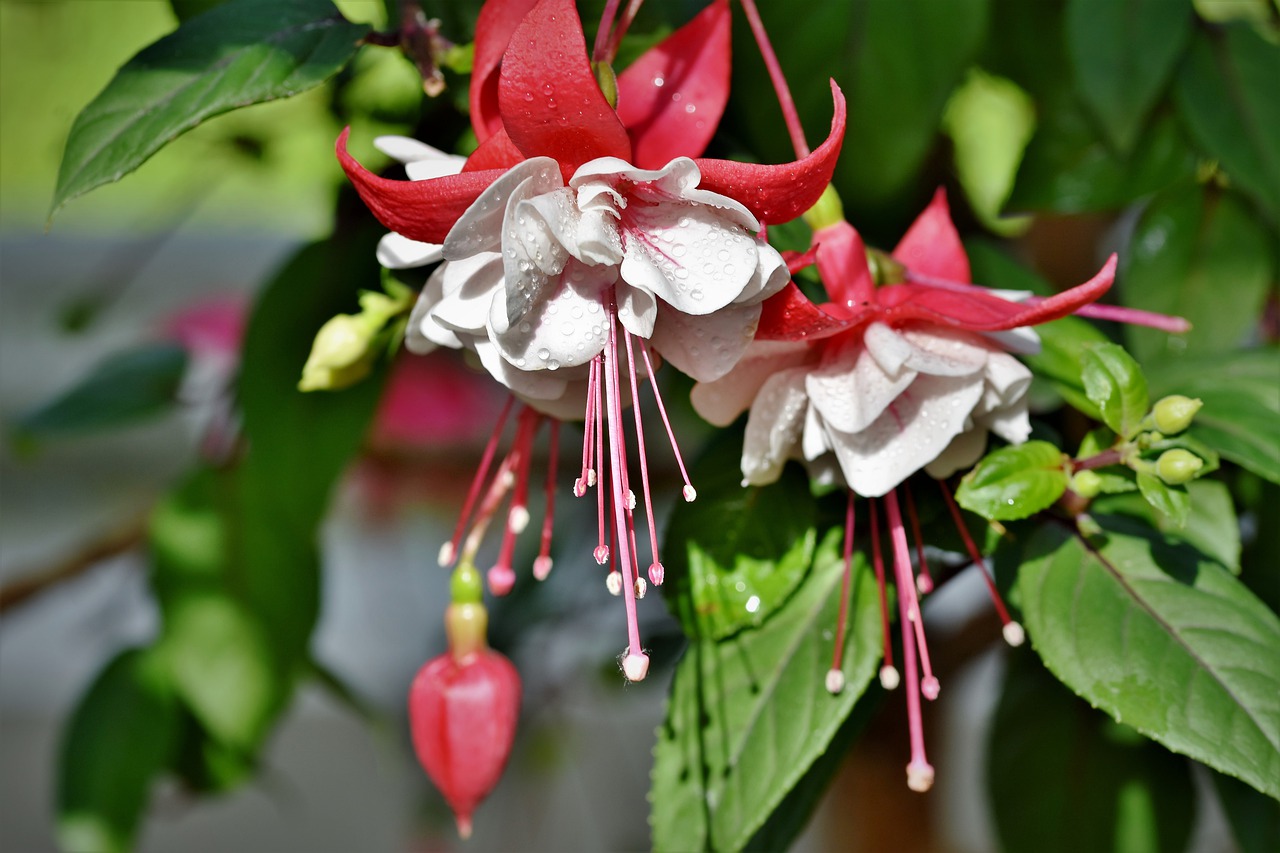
<point x="582" y="244"/>
<point x="889" y="378"/>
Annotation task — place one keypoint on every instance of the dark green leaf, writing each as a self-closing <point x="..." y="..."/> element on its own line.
<point x="1173" y="502"/>
<point x="747" y="548"/>
<point x="1211" y="527"/>
<point x="1226" y="93"/>
<point x="186" y="9"/>
<point x="1067" y="168"/>
<point x="748" y="715"/>
<point x="120" y="737"/>
<point x="1014" y="482"/>
<point x="1254" y="817"/>
<point x="1122" y="53"/>
<point x="241" y="53"/>
<point x="1241" y="395"/>
<point x="1115" y="384"/>
<point x="124" y="388"/>
<point x="1161" y="638"/>
<point x="1199" y="255"/>
<point x="1064" y="778"/>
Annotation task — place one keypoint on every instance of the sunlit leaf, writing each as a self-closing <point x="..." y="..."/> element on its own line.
<point x="240" y="53"/>
<point x="1172" y="502"/>
<point x="1161" y="638"/>
<point x="1014" y="482"/>
<point x="1211" y="526"/>
<point x="1115" y="384"/>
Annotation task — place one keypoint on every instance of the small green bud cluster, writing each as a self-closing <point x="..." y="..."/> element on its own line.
<point x="1174" y="413"/>
<point x="1178" y="466"/>
<point x="347" y="345"/>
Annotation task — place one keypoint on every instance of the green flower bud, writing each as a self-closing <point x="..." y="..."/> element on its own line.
<point x="465" y="586"/>
<point x="1174" y="413"/>
<point x="1178" y="466"/>
<point x="1086" y="484"/>
<point x="340" y="355"/>
<point x="826" y="211"/>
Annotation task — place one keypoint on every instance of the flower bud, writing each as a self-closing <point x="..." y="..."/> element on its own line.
<point x="340" y="355"/>
<point x="463" y="719"/>
<point x="1086" y="484"/>
<point x="1174" y="413"/>
<point x="1178" y="466"/>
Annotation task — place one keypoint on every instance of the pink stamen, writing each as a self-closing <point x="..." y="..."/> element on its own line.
<point x="602" y="549"/>
<point x="450" y="551"/>
<point x="498" y="487"/>
<point x="924" y="582"/>
<point x="835" y="677"/>
<point x="635" y="663"/>
<point x="779" y="80"/>
<point x="1012" y="629"/>
<point x="656" y="570"/>
<point x="600" y="48"/>
<point x="542" y="563"/>
<point x="888" y="673"/>
<point x="690" y="493"/>
<point x="1116" y="313"/>
<point x="583" y="482"/>
<point x="623" y="25"/>
<point x="919" y="771"/>
<point x="518" y="515"/>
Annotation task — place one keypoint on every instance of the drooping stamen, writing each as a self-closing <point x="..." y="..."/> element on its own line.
<point x="1116" y="313"/>
<point x="690" y="493"/>
<point x="586" y="478"/>
<point x="621" y="29"/>
<point x="518" y="514"/>
<point x="929" y="685"/>
<point x="449" y="550"/>
<point x="835" y="675"/>
<point x="635" y="663"/>
<point x="924" y="580"/>
<point x="601" y="46"/>
<point x="1012" y="631"/>
<point x="779" y="80"/>
<point x="602" y="550"/>
<point x="889" y="678"/>
<point x="919" y="771"/>
<point x="503" y="479"/>
<point x="542" y="563"/>
<point x="656" y="570"/>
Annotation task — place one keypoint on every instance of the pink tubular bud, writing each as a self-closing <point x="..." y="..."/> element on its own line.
<point x="462" y="715"/>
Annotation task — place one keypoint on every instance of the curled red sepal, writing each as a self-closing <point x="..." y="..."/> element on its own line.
<point x="982" y="313"/>
<point x="496" y="152"/>
<point x="550" y="102"/>
<point x="932" y="245"/>
<point x="671" y="98"/>
<point x="463" y="715"/>
<point x="420" y="210"/>
<point x="788" y="315"/>
<point x="498" y="19"/>
<point x="780" y="193"/>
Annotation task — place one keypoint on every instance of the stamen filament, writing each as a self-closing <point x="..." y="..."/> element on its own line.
<point x="974" y="554"/>
<point x="779" y="80"/>
<point x="598" y="50"/>
<point x="542" y="563"/>
<point x="924" y="582"/>
<point x="835" y="676"/>
<point x="588" y="432"/>
<point x="602" y="549"/>
<point x="655" y="567"/>
<point x="689" y="492"/>
<point x="450" y="549"/>
<point x="888" y="673"/>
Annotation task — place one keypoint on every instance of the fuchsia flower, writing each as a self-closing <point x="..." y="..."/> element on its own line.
<point x="582" y="242"/>
<point x="890" y="377"/>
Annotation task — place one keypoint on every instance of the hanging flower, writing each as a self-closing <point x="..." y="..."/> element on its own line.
<point x="583" y="243"/>
<point x="896" y="374"/>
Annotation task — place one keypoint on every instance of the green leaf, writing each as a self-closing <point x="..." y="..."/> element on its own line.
<point x="1201" y="255"/>
<point x="1241" y="394"/>
<point x="186" y="9"/>
<point x="1254" y="817"/>
<point x="1115" y="384"/>
<point x="1162" y="639"/>
<point x="1014" y="482"/>
<point x="1172" y="501"/>
<point x="747" y="548"/>
<point x="1211" y="527"/>
<point x="748" y="715"/>
<point x="124" y="388"/>
<point x="1122" y="54"/>
<point x="1064" y="778"/>
<point x="1226" y="94"/>
<point x="241" y="53"/>
<point x="120" y="737"/>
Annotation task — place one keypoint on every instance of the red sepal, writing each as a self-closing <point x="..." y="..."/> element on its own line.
<point x="496" y="152"/>
<point x="550" y="102"/>
<point x="420" y="210"/>
<point x="932" y="245"/>
<point x="788" y="315"/>
<point x="677" y="117"/>
<point x="842" y="263"/>
<point x="783" y="192"/>
<point x="494" y="26"/>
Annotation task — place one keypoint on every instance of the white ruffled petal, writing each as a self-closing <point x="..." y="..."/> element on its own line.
<point x="1007" y="380"/>
<point x="398" y="252"/>
<point x="945" y="353"/>
<point x="770" y="275"/>
<point x="963" y="451"/>
<point x="911" y="433"/>
<point x="851" y="389"/>
<point x="720" y="402"/>
<point x="1022" y="340"/>
<point x="1009" y="422"/>
<point x="637" y="309"/>
<point x="528" y="385"/>
<point x="890" y="349"/>
<point x="564" y="327"/>
<point x="815" y="444"/>
<point x="774" y="427"/>
<point x="467" y="290"/>
<point x="688" y="256"/>
<point x="479" y="229"/>
<point x="408" y="150"/>
<point x="705" y="348"/>
<point x="531" y="256"/>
